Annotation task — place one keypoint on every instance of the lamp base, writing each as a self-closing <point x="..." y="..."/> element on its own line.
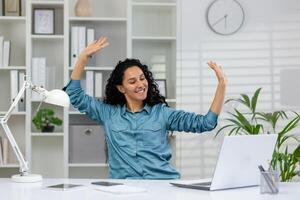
<point x="30" y="178"/>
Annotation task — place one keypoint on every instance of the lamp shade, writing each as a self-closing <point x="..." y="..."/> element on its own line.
<point x="57" y="97"/>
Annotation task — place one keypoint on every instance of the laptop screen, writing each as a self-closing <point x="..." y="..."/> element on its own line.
<point x="239" y="158"/>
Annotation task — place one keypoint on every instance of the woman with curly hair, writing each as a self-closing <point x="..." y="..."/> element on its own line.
<point x="137" y="118"/>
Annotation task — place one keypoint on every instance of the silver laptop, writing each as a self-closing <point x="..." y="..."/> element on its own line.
<point x="238" y="161"/>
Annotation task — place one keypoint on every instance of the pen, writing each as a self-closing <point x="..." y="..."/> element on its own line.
<point x="268" y="179"/>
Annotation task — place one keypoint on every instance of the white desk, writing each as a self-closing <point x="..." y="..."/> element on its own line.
<point x="156" y="190"/>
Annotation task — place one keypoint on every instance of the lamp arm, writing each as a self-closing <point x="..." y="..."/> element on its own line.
<point x="26" y="85"/>
<point x="24" y="168"/>
<point x="3" y="120"/>
<point x="23" y="164"/>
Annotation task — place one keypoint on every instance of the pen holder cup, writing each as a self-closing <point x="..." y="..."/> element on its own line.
<point x="269" y="182"/>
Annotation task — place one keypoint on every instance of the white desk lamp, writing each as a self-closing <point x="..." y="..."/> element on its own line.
<point x="56" y="97"/>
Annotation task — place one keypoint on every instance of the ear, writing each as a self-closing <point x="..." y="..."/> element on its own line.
<point x="120" y="88"/>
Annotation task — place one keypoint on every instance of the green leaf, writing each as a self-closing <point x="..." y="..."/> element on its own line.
<point x="221" y="129"/>
<point x="291" y="125"/>
<point x="297" y="153"/>
<point x="246" y="100"/>
<point x="254" y="100"/>
<point x="232" y="130"/>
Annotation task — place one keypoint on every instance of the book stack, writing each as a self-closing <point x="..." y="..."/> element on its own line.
<point x="16" y="83"/>
<point x="158" y="66"/>
<point x="4" y="52"/>
<point x="81" y="36"/>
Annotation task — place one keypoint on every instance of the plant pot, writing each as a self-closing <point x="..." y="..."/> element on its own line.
<point x="48" y="129"/>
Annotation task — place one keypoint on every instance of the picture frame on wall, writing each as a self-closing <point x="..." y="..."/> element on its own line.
<point x="162" y="86"/>
<point x="43" y="21"/>
<point x="11" y="7"/>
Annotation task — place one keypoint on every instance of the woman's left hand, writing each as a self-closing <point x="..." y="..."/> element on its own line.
<point x="218" y="71"/>
<point x="217" y="103"/>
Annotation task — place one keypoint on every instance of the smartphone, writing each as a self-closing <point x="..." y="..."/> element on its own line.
<point x="105" y="183"/>
<point x="62" y="187"/>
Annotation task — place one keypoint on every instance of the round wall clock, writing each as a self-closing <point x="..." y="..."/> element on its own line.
<point x="225" y="17"/>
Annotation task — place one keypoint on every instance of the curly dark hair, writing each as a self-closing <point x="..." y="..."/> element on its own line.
<point x="114" y="97"/>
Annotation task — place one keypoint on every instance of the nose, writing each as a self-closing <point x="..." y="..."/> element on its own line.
<point x="140" y="83"/>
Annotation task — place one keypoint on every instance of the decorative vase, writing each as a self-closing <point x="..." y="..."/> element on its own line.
<point x="83" y="8"/>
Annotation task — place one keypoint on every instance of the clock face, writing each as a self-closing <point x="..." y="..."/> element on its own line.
<point x="225" y="17"/>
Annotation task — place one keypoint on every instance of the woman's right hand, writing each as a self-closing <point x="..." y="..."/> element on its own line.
<point x="94" y="47"/>
<point x="91" y="49"/>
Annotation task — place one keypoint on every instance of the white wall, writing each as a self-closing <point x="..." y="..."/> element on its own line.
<point x="267" y="44"/>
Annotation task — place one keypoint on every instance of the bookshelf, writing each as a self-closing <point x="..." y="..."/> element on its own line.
<point x="10" y="26"/>
<point x="136" y="28"/>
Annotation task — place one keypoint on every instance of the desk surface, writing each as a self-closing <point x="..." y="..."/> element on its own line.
<point x="156" y="190"/>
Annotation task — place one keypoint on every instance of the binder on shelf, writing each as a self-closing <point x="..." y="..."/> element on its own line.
<point x="21" y="103"/>
<point x="81" y="38"/>
<point x="14" y="86"/>
<point x="38" y="74"/>
<point x="6" y="53"/>
<point x="90" y="37"/>
<point x="1" y="50"/>
<point x="42" y="72"/>
<point x="90" y="83"/>
<point x="50" y="77"/>
<point x="78" y="42"/>
<point x="98" y="84"/>
<point x="74" y="45"/>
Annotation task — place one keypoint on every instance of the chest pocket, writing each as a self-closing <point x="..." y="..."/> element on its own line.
<point x="152" y="135"/>
<point x="123" y="136"/>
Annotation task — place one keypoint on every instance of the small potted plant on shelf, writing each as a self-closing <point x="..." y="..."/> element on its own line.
<point x="247" y="120"/>
<point x="45" y="120"/>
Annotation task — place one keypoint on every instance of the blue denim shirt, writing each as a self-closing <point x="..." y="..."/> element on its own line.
<point x="137" y="142"/>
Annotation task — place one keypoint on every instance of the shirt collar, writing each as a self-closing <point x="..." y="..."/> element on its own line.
<point x="147" y="108"/>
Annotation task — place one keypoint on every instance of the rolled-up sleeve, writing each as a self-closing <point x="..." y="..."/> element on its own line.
<point x="178" y="120"/>
<point x="95" y="109"/>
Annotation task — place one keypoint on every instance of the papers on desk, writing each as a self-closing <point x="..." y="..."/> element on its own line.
<point x="121" y="189"/>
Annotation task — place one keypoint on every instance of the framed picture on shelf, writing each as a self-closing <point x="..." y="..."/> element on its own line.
<point x="162" y="86"/>
<point x="43" y="19"/>
<point x="11" y="7"/>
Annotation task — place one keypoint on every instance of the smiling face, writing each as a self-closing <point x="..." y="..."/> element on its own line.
<point x="134" y="85"/>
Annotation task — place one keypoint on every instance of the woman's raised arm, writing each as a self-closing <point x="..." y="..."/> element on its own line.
<point x="90" y="50"/>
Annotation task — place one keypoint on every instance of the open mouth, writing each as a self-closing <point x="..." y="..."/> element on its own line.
<point x="140" y="90"/>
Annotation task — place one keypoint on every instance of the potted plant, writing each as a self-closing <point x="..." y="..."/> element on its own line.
<point x="45" y="120"/>
<point x="249" y="121"/>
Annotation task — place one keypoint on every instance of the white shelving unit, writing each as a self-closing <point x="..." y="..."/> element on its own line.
<point x="10" y="27"/>
<point x="135" y="28"/>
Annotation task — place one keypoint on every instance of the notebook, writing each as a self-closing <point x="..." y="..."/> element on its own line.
<point x="237" y="163"/>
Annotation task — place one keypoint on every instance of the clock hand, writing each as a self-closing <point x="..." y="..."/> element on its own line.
<point x="219" y="20"/>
